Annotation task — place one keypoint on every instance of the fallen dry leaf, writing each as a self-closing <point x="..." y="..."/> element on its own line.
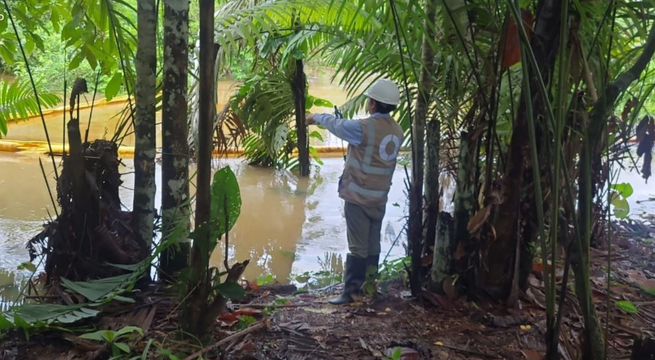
<point x="245" y="346"/>
<point x="247" y="312"/>
<point x="449" y="288"/>
<point x="228" y="317"/>
<point x="320" y="310"/>
<point x="532" y="354"/>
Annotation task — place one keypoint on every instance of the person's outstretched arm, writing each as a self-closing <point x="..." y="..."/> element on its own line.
<point x="345" y="129"/>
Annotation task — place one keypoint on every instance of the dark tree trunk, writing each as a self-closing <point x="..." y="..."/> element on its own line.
<point x="465" y="248"/>
<point x="415" y="224"/>
<point x="432" y="172"/>
<point x="144" y="152"/>
<point x="206" y="111"/>
<point x="496" y="274"/>
<point x="195" y="319"/>
<point x="175" y="147"/>
<point x="299" y="85"/>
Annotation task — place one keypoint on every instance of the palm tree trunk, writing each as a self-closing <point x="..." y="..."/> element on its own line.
<point x="194" y="317"/>
<point x="299" y="84"/>
<point x="205" y="126"/>
<point x="175" y="147"/>
<point x="496" y="274"/>
<point x="144" y="152"/>
<point x="432" y="172"/>
<point x="415" y="226"/>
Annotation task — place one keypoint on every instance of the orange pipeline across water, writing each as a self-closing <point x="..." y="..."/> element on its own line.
<point x="41" y="147"/>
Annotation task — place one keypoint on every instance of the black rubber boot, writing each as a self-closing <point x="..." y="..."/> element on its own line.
<point x="372" y="262"/>
<point x="353" y="280"/>
<point x="370" y="279"/>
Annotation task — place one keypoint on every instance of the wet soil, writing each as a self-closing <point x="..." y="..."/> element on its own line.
<point x="275" y="322"/>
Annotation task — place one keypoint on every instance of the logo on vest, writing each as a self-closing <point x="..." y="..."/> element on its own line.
<point x="391" y="138"/>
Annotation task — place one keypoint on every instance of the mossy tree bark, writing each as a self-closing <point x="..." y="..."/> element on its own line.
<point x="175" y="146"/>
<point x="144" y="152"/>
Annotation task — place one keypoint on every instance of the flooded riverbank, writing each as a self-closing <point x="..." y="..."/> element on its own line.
<point x="288" y="225"/>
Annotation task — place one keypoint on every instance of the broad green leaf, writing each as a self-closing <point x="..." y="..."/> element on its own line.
<point x="124" y="299"/>
<point x="621" y="208"/>
<point x="5" y="324"/>
<point x="114" y="85"/>
<point x="97" y="289"/>
<point x="27" y="266"/>
<point x="123" y="347"/>
<point x="323" y="103"/>
<point x="279" y="138"/>
<point x="309" y="101"/>
<point x="225" y="196"/>
<point x="625" y="189"/>
<point x="316" y="135"/>
<point x="100" y="335"/>
<point x="22" y="324"/>
<point x="302" y="279"/>
<point x="33" y="313"/>
<point x="75" y="62"/>
<point x="128" y="330"/>
<point x="231" y="290"/>
<point x="29" y="45"/>
<point x="627" y="306"/>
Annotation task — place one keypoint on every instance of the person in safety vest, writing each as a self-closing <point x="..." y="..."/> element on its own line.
<point x="373" y="145"/>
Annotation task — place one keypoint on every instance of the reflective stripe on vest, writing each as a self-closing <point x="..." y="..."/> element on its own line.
<point x="366" y="192"/>
<point x="366" y="167"/>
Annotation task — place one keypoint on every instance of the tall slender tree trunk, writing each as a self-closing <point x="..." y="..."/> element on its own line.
<point x="299" y="84"/>
<point x="175" y="146"/>
<point x="194" y="319"/>
<point x="415" y="226"/>
<point x="144" y="154"/>
<point x="432" y="172"/>
<point x="496" y="273"/>
<point x="206" y="111"/>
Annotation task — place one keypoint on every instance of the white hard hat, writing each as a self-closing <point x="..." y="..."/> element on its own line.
<point x="384" y="91"/>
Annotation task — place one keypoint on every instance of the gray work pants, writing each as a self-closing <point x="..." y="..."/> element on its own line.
<point x="364" y="228"/>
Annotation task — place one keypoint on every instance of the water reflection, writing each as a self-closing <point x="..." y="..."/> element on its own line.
<point x="271" y="221"/>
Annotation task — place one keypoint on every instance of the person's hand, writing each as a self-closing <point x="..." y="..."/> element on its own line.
<point x="310" y="119"/>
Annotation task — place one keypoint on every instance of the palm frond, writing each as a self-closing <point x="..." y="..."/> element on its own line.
<point x="17" y="102"/>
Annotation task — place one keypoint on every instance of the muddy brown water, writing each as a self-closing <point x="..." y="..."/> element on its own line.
<point x="288" y="225"/>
